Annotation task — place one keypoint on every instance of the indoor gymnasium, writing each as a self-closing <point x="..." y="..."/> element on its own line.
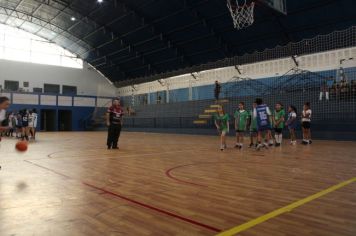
<point x="177" y="117"/>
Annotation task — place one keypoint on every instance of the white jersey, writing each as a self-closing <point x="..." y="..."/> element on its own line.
<point x="306" y="115"/>
<point x="2" y="116"/>
<point x="32" y="120"/>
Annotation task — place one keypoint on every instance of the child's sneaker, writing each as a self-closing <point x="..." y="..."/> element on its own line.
<point x="259" y="146"/>
<point x="310" y="142"/>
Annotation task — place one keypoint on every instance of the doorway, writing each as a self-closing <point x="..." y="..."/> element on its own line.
<point x="65" y="120"/>
<point x="48" y="120"/>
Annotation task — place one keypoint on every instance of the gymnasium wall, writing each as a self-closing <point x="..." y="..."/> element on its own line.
<point x="81" y="107"/>
<point x="199" y="86"/>
<point x="87" y="80"/>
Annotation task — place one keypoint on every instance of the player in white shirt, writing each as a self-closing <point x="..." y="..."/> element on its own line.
<point x="32" y="123"/>
<point x="4" y="104"/>
<point x="306" y="121"/>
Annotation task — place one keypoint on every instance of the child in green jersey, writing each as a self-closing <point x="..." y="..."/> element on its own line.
<point x="222" y="125"/>
<point x="241" y="120"/>
<point x="253" y="127"/>
<point x="278" y="123"/>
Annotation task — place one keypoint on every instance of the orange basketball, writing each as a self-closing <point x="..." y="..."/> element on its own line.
<point x="21" y="146"/>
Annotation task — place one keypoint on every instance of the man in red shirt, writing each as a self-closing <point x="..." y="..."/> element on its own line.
<point x="114" y="123"/>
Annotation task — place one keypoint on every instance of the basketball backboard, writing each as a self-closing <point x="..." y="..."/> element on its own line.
<point x="278" y="5"/>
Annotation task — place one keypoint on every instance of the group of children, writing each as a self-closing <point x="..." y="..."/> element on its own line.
<point x="261" y="122"/>
<point x="22" y="123"/>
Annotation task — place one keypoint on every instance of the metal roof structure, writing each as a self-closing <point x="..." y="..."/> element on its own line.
<point x="129" y="39"/>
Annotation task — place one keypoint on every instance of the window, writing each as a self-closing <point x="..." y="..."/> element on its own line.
<point x="69" y="90"/>
<point x="18" y="45"/>
<point x="51" y="88"/>
<point x="11" y="86"/>
<point x="26" y="84"/>
<point x="37" y="90"/>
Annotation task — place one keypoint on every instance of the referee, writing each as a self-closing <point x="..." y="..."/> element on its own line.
<point x="114" y="122"/>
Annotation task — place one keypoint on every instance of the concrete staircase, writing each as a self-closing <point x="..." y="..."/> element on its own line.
<point x="209" y="112"/>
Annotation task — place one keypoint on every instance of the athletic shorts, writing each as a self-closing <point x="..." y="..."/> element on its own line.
<point x="224" y="132"/>
<point x="306" y="125"/>
<point x="278" y="130"/>
<point x="240" y="131"/>
<point x="253" y="131"/>
<point x="264" y="128"/>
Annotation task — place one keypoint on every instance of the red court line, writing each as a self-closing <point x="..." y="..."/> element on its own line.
<point x="43" y="167"/>
<point x="51" y="154"/>
<point x="134" y="201"/>
<point x="169" y="174"/>
<point x="155" y="208"/>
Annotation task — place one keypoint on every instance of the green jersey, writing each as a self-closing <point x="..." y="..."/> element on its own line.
<point x="222" y="121"/>
<point x="253" y="125"/>
<point x="241" y="117"/>
<point x="277" y="116"/>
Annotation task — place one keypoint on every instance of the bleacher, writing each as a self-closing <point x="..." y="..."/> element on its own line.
<point x="334" y="118"/>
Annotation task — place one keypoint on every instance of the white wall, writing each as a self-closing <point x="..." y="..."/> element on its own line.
<point x="322" y="61"/>
<point x="87" y="80"/>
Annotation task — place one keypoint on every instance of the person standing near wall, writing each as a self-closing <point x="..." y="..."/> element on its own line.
<point x="25" y="128"/>
<point x="4" y="104"/>
<point x="32" y="123"/>
<point x="35" y="121"/>
<point x="217" y="90"/>
<point x="114" y="122"/>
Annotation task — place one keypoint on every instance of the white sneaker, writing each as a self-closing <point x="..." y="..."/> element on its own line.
<point x="259" y="146"/>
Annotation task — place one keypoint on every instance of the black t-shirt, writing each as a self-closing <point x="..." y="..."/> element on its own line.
<point x="25" y="120"/>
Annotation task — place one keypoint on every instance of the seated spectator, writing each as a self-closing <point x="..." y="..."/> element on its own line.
<point x="338" y="91"/>
<point x="324" y="90"/>
<point x="344" y="89"/>
<point x="333" y="90"/>
<point x="353" y="88"/>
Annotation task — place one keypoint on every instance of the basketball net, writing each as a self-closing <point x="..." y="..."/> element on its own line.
<point x="242" y="14"/>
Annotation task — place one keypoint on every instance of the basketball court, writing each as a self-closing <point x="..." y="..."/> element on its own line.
<point x="114" y="116"/>
<point x="184" y="187"/>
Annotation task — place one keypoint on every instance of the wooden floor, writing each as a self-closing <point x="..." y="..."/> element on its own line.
<point x="162" y="184"/>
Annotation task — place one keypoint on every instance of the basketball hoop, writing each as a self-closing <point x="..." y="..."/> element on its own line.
<point x="242" y="14"/>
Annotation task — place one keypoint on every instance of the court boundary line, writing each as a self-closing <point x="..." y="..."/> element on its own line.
<point x="144" y="205"/>
<point x="238" y="229"/>
<point x="169" y="175"/>
<point x="153" y="208"/>
<point x="50" y="155"/>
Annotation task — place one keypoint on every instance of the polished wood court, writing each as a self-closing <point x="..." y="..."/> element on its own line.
<point x="163" y="184"/>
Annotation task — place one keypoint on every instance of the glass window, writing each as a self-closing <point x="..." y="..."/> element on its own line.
<point x="51" y="88"/>
<point x="69" y="90"/>
<point x="11" y="86"/>
<point x="18" y="45"/>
